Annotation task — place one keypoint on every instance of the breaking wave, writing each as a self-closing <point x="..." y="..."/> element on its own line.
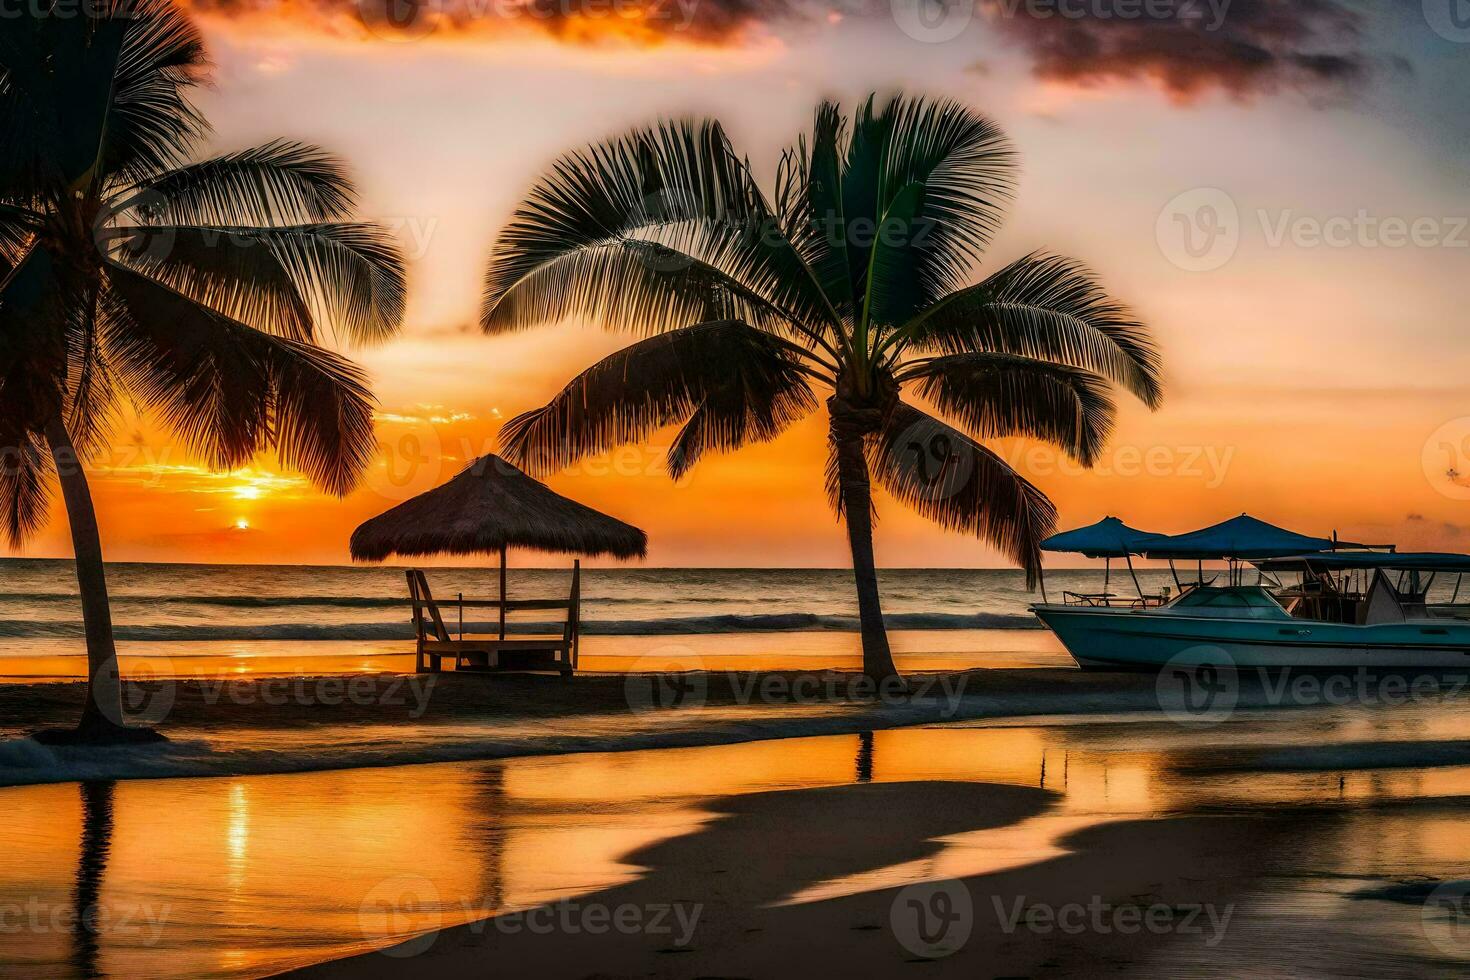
<point x="760" y="623"/>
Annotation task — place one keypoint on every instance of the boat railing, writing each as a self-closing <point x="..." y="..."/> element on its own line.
<point x="1113" y="600"/>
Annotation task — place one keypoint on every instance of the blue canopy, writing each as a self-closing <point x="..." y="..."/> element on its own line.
<point x="1423" y="561"/>
<point x="1108" y="538"/>
<point x="1242" y="537"/>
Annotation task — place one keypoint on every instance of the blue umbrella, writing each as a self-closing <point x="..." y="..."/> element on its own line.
<point x="1108" y="538"/>
<point x="1242" y="538"/>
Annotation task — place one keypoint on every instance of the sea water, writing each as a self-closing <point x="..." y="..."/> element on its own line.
<point x="207" y="619"/>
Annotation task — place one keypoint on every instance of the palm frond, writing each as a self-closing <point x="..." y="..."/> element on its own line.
<point x="25" y="484"/>
<point x="91" y="395"/>
<point x="281" y="182"/>
<point x="239" y="276"/>
<point x="740" y="382"/>
<point x="230" y="391"/>
<point x="965" y="169"/>
<point x="281" y="279"/>
<point x="999" y="395"/>
<point x="151" y="124"/>
<point x="677" y="184"/>
<point x="632" y="285"/>
<point x="1047" y="307"/>
<point x="811" y="204"/>
<point x="958" y="483"/>
<point x="18" y="227"/>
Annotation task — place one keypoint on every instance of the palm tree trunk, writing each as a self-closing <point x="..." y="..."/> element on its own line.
<point x="102" y="716"/>
<point x="857" y="509"/>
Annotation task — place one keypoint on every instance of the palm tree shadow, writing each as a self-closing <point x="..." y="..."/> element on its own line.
<point x="864" y="765"/>
<point x="97" y="810"/>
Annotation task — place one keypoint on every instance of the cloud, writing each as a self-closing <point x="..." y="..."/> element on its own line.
<point x="1186" y="47"/>
<point x="639" y="23"/>
<point x="1191" y="47"/>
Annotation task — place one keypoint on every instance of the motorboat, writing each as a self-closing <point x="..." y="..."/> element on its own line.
<point x="1314" y="603"/>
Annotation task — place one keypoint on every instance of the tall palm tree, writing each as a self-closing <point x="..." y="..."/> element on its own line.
<point x="850" y="280"/>
<point x="195" y="289"/>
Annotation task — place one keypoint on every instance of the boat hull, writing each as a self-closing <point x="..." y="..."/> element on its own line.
<point x="1125" y="639"/>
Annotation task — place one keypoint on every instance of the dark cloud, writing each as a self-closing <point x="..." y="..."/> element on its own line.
<point x="1190" y="47"/>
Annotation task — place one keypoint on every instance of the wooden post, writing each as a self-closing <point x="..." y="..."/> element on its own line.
<point x="574" y="612"/>
<point x="502" y="592"/>
<point x="439" y="631"/>
<point x="418" y="622"/>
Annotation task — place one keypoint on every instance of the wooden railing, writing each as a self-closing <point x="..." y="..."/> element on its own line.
<point x="434" y="642"/>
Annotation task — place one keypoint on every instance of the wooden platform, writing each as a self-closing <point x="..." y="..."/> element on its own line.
<point x="556" y="652"/>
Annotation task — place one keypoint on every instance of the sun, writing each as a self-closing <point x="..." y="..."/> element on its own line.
<point x="241" y="524"/>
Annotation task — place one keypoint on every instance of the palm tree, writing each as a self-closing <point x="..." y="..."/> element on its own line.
<point x="851" y="280"/>
<point x="194" y="289"/>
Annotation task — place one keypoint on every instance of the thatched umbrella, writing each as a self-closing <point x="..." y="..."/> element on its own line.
<point x="490" y="507"/>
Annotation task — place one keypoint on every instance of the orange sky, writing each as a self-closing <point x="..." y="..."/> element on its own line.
<point x="1320" y="384"/>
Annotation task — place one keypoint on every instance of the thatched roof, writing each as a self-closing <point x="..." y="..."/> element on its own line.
<point x="492" y="505"/>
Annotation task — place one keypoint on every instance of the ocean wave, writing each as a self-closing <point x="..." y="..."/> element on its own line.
<point x="730" y="623"/>
<point x="271" y="602"/>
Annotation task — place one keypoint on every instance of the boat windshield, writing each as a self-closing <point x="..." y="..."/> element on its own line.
<point x="1236" y="601"/>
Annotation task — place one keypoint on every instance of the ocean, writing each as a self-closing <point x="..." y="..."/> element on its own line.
<point x="190" y="619"/>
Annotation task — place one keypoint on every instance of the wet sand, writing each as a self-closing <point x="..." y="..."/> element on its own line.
<point x="736" y="871"/>
<point x="260" y="725"/>
<point x="815" y="851"/>
<point x="232" y="702"/>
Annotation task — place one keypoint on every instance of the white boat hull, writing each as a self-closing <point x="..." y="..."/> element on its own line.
<point x="1126" y="639"/>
